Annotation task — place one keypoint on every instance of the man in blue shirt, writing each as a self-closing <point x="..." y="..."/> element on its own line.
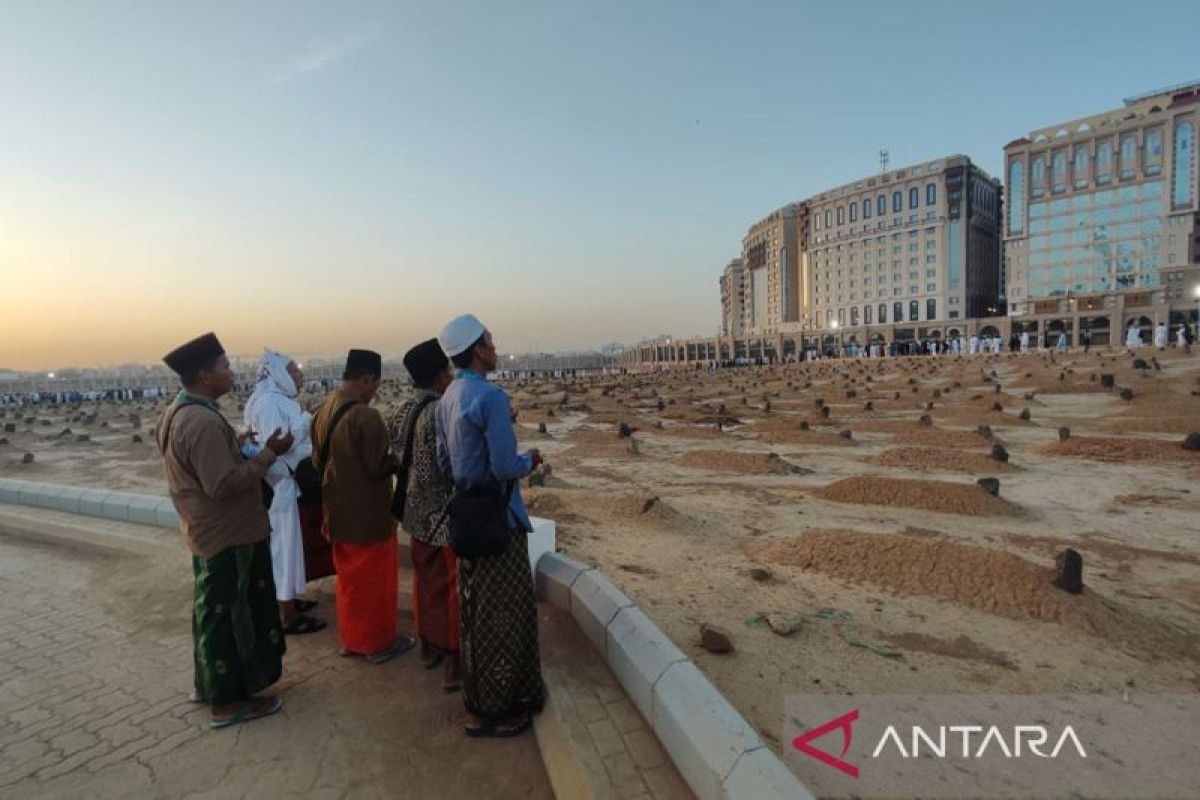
<point x="502" y="679"/>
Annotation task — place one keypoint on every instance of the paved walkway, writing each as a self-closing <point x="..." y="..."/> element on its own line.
<point x="95" y="667"/>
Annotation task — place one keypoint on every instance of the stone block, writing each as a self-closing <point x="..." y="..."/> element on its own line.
<point x="10" y="491"/>
<point x="704" y="735"/>
<point x="541" y="541"/>
<point x="554" y="577"/>
<point x="68" y="501"/>
<point x="39" y="495"/>
<point x="143" y="509"/>
<point x="638" y="654"/>
<point x="760" y="773"/>
<point x="91" y="502"/>
<point x="594" y="603"/>
<point x="116" y="506"/>
<point x="165" y="515"/>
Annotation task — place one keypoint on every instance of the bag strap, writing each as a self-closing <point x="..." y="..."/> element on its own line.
<point x="325" y="445"/>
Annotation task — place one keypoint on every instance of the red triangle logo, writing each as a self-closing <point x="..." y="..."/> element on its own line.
<point x="842" y="723"/>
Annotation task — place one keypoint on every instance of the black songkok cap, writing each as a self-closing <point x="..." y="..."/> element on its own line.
<point x="362" y="362"/>
<point x="425" y="361"/>
<point x="190" y="358"/>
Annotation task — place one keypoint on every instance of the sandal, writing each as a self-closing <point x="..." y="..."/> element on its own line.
<point x="303" y="624"/>
<point x="305" y="605"/>
<point x="501" y="729"/>
<point x="254" y="709"/>
<point x="401" y="646"/>
<point x="433" y="660"/>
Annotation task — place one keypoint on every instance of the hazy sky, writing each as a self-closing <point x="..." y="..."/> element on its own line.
<point x="314" y="176"/>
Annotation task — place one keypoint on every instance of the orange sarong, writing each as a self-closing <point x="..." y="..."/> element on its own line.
<point x="435" y="595"/>
<point x="366" y="595"/>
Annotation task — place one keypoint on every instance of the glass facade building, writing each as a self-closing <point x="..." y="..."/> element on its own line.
<point x="1102" y="204"/>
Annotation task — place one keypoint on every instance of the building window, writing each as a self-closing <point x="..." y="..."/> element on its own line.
<point x="898" y="312"/>
<point x="1184" y="165"/>
<point x="930" y="193"/>
<point x="1081" y="166"/>
<point x="866" y="315"/>
<point x="1128" y="156"/>
<point x="854" y="212"/>
<point x="880" y="205"/>
<point x="914" y="309"/>
<point x="854" y="316"/>
<point x="1153" y="156"/>
<point x="1104" y="154"/>
<point x="1037" y="176"/>
<point x="866" y="207"/>
<point x="897" y="202"/>
<point x="931" y="309"/>
<point x="1016" y="197"/>
<point x="828" y="218"/>
<point x="841" y="215"/>
<point x="1058" y="171"/>
<point x="841" y="316"/>
<point x="882" y="313"/>
<point x="914" y="197"/>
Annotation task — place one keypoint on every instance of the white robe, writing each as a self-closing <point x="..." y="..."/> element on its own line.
<point x="974" y="345"/>
<point x="1160" y="336"/>
<point x="272" y="406"/>
<point x="1181" y="337"/>
<point x="1133" y="337"/>
<point x="1025" y="342"/>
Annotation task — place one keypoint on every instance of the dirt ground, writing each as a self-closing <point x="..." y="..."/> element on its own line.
<point x="841" y="497"/>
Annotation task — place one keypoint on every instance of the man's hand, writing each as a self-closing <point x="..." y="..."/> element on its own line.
<point x="535" y="457"/>
<point x="280" y="442"/>
<point x="247" y="436"/>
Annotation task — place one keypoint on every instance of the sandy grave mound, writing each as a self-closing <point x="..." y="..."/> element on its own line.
<point x="739" y="463"/>
<point x="1181" y="424"/>
<point x="1090" y="543"/>
<point x="608" y="448"/>
<point x="686" y="431"/>
<point x="948" y="498"/>
<point x="604" y="507"/>
<point x="929" y="436"/>
<point x="1120" y="450"/>
<point x="936" y="458"/>
<point x="795" y="436"/>
<point x="989" y="580"/>
<point x="885" y="425"/>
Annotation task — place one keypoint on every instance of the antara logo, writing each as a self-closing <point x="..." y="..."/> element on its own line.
<point x="1014" y="743"/>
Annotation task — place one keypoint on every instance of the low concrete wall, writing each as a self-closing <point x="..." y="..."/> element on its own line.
<point x="712" y="745"/>
<point x="146" y="509"/>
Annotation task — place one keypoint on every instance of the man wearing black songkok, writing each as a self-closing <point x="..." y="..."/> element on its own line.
<point x="235" y="621"/>
<point x="351" y="451"/>
<point x="425" y="492"/>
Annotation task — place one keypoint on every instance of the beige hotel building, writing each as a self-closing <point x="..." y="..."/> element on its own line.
<point x="913" y="245"/>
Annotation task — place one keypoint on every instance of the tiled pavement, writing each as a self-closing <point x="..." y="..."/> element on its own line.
<point x="95" y="658"/>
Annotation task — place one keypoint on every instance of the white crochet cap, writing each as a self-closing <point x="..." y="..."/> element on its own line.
<point x="459" y="334"/>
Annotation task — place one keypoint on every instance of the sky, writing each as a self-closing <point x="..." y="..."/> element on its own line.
<point x="317" y="176"/>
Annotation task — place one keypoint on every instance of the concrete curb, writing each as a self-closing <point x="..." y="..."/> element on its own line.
<point x="714" y="748"/>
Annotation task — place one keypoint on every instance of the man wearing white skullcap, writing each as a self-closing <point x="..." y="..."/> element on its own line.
<point x="502" y="677"/>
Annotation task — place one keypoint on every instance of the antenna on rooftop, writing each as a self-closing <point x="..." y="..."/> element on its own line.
<point x="884" y="158"/>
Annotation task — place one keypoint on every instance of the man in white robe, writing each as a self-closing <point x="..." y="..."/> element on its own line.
<point x="1161" y="335"/>
<point x="1024" y="341"/>
<point x="974" y="345"/>
<point x="273" y="406"/>
<point x="1133" y="336"/>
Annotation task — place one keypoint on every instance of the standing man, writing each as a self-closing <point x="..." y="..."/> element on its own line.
<point x="236" y="634"/>
<point x="1087" y="340"/>
<point x="350" y="452"/>
<point x="423" y="516"/>
<point x="502" y="677"/>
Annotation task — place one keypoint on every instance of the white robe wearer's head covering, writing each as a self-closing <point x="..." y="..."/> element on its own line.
<point x="273" y="375"/>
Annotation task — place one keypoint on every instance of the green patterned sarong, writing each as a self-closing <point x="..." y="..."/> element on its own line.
<point x="238" y="638"/>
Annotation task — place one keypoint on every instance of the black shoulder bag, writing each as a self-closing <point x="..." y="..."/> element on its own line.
<point x="325" y="445"/>
<point x="401" y="495"/>
<point x="479" y="521"/>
